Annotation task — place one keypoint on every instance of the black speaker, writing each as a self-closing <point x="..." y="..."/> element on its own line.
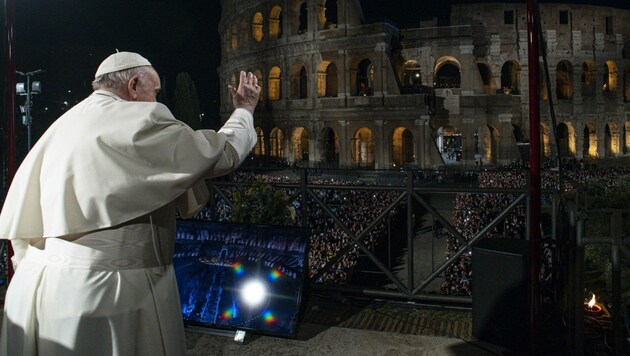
<point x="500" y="312"/>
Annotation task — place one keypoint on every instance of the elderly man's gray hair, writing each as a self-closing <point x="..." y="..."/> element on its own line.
<point x="118" y="80"/>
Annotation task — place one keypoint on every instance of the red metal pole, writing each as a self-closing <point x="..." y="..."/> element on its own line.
<point x="534" y="176"/>
<point x="9" y="7"/>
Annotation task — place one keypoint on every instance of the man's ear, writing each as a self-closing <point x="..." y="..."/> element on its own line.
<point x="132" y="87"/>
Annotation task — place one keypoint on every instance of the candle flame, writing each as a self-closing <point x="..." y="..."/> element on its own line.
<point x="591" y="303"/>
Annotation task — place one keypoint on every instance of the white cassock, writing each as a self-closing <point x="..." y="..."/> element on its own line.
<point x="91" y="217"/>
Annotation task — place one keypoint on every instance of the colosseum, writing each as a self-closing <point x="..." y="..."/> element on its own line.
<point x="340" y="91"/>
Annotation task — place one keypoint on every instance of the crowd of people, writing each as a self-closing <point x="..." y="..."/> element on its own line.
<point x="473" y="212"/>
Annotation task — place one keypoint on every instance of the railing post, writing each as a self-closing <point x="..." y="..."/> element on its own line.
<point x="577" y="294"/>
<point x="410" y="217"/>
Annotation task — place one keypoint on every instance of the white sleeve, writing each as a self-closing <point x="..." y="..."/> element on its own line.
<point x="240" y="132"/>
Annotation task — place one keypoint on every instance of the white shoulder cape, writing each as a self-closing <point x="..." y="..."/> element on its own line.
<point x="107" y="161"/>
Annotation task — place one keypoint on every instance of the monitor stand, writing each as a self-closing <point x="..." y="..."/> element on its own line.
<point x="237" y="335"/>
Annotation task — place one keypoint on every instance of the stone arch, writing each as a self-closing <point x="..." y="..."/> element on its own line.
<point x="257" y="26"/>
<point x="276" y="143"/>
<point x="487" y="144"/>
<point x="610" y="77"/>
<point x="588" y="78"/>
<point x="611" y="139"/>
<point x="566" y="140"/>
<point x="626" y="84"/>
<point x="412" y="73"/>
<point x="275" y="22"/>
<point x="510" y="77"/>
<point x="564" y="80"/>
<point x="330" y="146"/>
<point x="363" y="77"/>
<point x="626" y="138"/>
<point x="259" y="149"/>
<point x="589" y="147"/>
<point x="274" y="91"/>
<point x="327" y="79"/>
<point x="363" y="148"/>
<point x="299" y="144"/>
<point x="486" y="77"/>
<point x="447" y="73"/>
<point x="402" y="147"/>
<point x="299" y="82"/>
<point x="449" y="143"/>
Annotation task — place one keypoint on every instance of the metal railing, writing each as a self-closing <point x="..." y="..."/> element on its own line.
<point x="407" y="193"/>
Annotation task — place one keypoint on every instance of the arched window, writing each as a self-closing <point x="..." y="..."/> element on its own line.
<point x="275" y="84"/>
<point x="449" y="142"/>
<point x="234" y="36"/>
<point x="447" y="74"/>
<point x="363" y="148"/>
<point x="610" y="77"/>
<point x="365" y="78"/>
<point x="402" y="147"/>
<point x="510" y="77"/>
<point x="299" y="143"/>
<point x="259" y="149"/>
<point x="589" y="147"/>
<point x="257" y="27"/>
<point x="564" y="80"/>
<point x="276" y="143"/>
<point x="275" y="22"/>
<point x="303" y="19"/>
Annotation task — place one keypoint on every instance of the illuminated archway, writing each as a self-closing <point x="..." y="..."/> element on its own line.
<point x="566" y="140"/>
<point x="275" y="84"/>
<point x="564" y="80"/>
<point x="275" y="22"/>
<point x="327" y="84"/>
<point x="402" y="147"/>
<point x="257" y="27"/>
<point x="447" y="73"/>
<point x="363" y="147"/>
<point x="449" y="142"/>
<point x="589" y="147"/>
<point x="299" y="144"/>
<point x="412" y="74"/>
<point x="259" y="149"/>
<point x="276" y="140"/>
<point x="611" y="140"/>
<point x="610" y="77"/>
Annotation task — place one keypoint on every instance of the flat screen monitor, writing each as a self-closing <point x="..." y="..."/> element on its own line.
<point x="241" y="276"/>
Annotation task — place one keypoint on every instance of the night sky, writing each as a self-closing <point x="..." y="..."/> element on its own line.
<point x="69" y="38"/>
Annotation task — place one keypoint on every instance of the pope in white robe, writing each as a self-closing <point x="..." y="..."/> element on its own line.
<point x="91" y="217"/>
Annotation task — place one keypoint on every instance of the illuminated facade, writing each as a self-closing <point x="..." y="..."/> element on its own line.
<point x="338" y="91"/>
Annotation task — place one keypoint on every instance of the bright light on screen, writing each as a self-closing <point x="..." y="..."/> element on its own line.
<point x="253" y="293"/>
